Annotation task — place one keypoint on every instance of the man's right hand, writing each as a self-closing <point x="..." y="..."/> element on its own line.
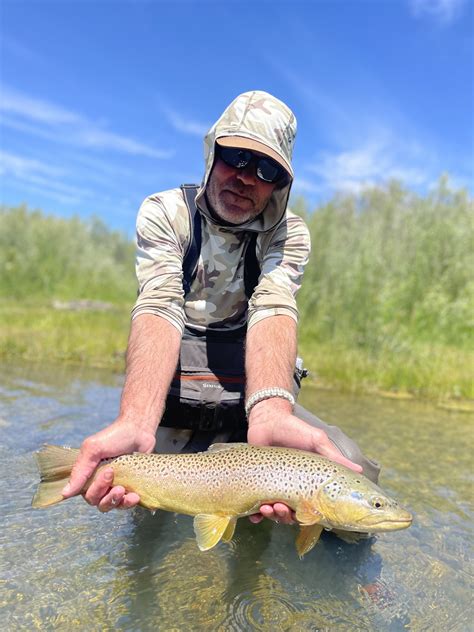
<point x="121" y="437"/>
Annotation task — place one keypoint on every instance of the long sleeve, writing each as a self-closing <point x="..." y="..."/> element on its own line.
<point x="162" y="237"/>
<point x="285" y="254"/>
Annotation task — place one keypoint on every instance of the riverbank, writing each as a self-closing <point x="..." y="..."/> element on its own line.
<point x="96" y="336"/>
<point x="42" y="332"/>
<point x="434" y="372"/>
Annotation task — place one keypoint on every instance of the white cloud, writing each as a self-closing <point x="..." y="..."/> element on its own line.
<point x="36" y="109"/>
<point x="41" y="177"/>
<point x="185" y="125"/>
<point x="382" y="157"/>
<point x="94" y="137"/>
<point x="12" y="164"/>
<point x="443" y="11"/>
<point x="303" y="185"/>
<point x="48" y="120"/>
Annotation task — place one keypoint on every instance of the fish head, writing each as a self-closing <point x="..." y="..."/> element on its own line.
<point x="354" y="503"/>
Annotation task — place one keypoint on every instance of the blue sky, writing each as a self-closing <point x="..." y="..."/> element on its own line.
<point x="105" y="102"/>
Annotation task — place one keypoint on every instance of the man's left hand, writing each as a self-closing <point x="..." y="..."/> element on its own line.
<point x="271" y="423"/>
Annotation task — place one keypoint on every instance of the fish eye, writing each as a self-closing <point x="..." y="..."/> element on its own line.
<point x="377" y="503"/>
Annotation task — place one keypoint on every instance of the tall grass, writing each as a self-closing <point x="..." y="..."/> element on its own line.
<point x="391" y="279"/>
<point x="44" y="257"/>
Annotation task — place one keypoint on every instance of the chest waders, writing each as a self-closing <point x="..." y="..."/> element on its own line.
<point x="208" y="389"/>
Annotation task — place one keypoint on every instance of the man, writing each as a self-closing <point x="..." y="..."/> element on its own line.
<point x="216" y="329"/>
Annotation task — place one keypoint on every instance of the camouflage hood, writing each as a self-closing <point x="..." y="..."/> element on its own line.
<point x="260" y="117"/>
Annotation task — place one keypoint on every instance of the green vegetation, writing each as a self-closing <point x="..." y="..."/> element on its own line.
<point x="386" y="304"/>
<point x="387" y="300"/>
<point x="45" y="259"/>
<point x="39" y="332"/>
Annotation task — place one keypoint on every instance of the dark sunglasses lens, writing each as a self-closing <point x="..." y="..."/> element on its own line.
<point x="237" y="158"/>
<point x="268" y="170"/>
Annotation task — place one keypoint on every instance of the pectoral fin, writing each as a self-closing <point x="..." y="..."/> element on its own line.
<point x="209" y="529"/>
<point x="307" y="538"/>
<point x="306" y="514"/>
<point x="351" y="537"/>
<point x="229" y="532"/>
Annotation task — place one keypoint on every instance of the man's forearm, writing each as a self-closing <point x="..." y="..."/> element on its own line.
<point x="152" y="357"/>
<point x="270" y="358"/>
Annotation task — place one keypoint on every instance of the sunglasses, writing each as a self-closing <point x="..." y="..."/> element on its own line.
<point x="266" y="168"/>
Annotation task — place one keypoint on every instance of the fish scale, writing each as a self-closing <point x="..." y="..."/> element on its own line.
<point x="233" y="480"/>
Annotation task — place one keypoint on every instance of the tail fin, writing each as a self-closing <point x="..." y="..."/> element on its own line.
<point x="55" y="466"/>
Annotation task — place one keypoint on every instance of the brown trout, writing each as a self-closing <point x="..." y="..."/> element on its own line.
<point x="233" y="480"/>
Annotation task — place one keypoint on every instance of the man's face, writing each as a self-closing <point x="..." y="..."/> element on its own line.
<point x="237" y="195"/>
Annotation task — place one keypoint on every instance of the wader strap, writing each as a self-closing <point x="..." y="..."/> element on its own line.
<point x="194" y="247"/>
<point x="251" y="265"/>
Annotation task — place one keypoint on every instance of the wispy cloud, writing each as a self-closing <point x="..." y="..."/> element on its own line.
<point x="40" y="177"/>
<point x="444" y="12"/>
<point x="382" y="157"/>
<point x="13" y="164"/>
<point x="94" y="137"/>
<point x="185" y="125"/>
<point x="366" y="142"/>
<point x="53" y="122"/>
<point x="69" y="180"/>
<point x="36" y="109"/>
<point x="305" y="185"/>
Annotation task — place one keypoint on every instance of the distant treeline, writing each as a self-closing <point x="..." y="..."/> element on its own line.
<point x="387" y="300"/>
<point x="48" y="257"/>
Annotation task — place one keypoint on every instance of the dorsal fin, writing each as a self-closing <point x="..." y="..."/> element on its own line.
<point x="221" y="447"/>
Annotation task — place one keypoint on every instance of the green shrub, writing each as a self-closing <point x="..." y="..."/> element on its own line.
<point x="48" y="257"/>
<point x="389" y="267"/>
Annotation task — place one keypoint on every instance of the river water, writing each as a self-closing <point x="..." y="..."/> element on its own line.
<point x="71" y="568"/>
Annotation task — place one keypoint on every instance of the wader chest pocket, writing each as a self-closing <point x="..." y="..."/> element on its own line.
<point x="211" y="370"/>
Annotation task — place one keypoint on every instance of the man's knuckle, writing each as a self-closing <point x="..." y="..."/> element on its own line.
<point x="320" y="436"/>
<point x="91" y="447"/>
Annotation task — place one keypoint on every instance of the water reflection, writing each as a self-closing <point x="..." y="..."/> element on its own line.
<point x="70" y="567"/>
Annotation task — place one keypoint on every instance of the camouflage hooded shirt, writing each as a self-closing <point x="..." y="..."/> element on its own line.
<point x="217" y="298"/>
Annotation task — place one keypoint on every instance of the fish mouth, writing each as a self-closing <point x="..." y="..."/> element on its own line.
<point x="385" y="523"/>
<point x="390" y="525"/>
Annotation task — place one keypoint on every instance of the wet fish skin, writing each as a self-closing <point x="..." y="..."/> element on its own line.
<point x="230" y="481"/>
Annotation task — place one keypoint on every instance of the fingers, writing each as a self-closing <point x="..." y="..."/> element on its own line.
<point x="326" y="448"/>
<point x="100" y="487"/>
<point x="293" y="432"/>
<point x="256" y="518"/>
<point x="279" y="513"/>
<point x="88" y="459"/>
<point x="112" y="499"/>
<point x="117" y="498"/>
<point x="105" y="496"/>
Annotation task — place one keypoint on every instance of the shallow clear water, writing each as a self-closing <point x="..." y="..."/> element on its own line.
<point x="72" y="568"/>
